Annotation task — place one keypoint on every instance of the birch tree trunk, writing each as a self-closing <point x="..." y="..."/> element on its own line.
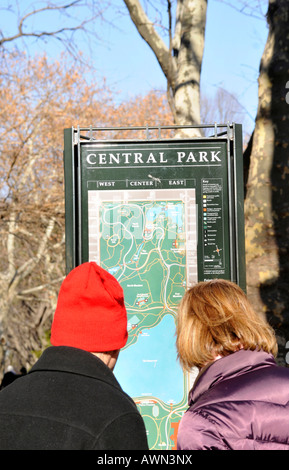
<point x="181" y="62"/>
<point x="267" y="201"/>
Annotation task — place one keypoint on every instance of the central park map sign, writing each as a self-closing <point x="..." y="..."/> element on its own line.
<point x="159" y="216"/>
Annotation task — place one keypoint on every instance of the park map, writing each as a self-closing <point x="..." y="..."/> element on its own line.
<point x="141" y="238"/>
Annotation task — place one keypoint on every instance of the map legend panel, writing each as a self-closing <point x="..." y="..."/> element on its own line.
<point x="213" y="226"/>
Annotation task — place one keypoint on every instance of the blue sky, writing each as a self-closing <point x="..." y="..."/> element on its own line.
<point x="233" y="49"/>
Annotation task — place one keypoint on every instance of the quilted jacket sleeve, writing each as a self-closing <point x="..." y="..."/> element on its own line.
<point x="198" y="432"/>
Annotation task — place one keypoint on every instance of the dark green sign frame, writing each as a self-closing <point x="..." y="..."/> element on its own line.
<point x="210" y="168"/>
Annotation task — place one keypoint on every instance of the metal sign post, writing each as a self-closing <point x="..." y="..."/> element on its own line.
<point x="160" y="215"/>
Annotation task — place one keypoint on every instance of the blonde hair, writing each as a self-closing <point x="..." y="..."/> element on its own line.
<point x="215" y="318"/>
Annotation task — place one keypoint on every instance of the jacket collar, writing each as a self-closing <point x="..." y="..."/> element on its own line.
<point x="235" y="364"/>
<point x="75" y="361"/>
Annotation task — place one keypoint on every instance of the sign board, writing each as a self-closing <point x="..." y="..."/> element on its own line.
<point x="160" y="215"/>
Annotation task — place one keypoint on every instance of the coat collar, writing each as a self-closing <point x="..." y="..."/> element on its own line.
<point x="75" y="361"/>
<point x="235" y="364"/>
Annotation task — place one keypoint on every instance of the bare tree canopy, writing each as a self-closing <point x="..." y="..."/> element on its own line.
<point x="54" y="20"/>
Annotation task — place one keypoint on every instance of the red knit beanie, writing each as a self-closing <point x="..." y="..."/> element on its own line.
<point x="90" y="312"/>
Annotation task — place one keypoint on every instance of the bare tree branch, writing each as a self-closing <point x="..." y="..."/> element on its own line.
<point x="74" y="23"/>
<point x="23" y="293"/>
<point x="253" y="8"/>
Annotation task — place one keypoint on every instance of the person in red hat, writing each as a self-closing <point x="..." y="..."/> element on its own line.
<point x="70" y="399"/>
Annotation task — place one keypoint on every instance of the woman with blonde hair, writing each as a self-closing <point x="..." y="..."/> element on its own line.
<point x="240" y="399"/>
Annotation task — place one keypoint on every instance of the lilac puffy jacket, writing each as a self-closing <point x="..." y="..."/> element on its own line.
<point x="239" y="402"/>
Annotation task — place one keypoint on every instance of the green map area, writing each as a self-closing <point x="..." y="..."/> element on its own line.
<point x="146" y="252"/>
<point x="143" y="243"/>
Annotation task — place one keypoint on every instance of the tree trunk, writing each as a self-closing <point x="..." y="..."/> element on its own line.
<point x="188" y="46"/>
<point x="181" y="62"/>
<point x="267" y="201"/>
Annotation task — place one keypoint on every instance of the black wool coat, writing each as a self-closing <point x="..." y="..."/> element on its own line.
<point x="69" y="400"/>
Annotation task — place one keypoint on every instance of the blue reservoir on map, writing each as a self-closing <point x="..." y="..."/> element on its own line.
<point x="149" y="368"/>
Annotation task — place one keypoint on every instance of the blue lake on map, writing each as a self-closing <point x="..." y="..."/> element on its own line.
<point x="150" y="368"/>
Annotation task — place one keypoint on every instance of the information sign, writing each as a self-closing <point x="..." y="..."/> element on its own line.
<point x="160" y="216"/>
